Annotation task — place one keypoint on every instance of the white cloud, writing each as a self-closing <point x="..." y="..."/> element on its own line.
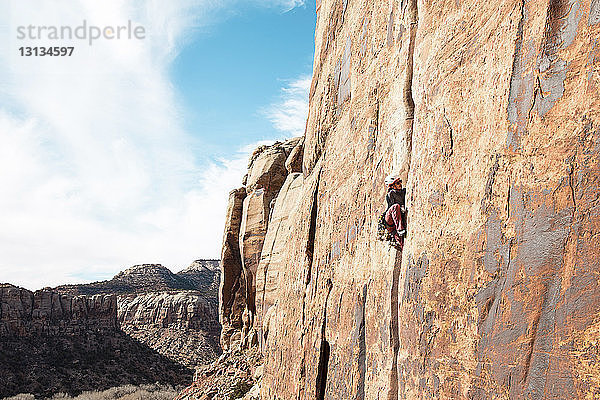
<point x="96" y="170"/>
<point x="289" y="114"/>
<point x="285" y="5"/>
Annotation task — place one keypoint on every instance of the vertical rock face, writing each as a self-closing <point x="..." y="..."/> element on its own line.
<point x="247" y="222"/>
<point x="489" y="112"/>
<point x="294" y="160"/>
<point x="233" y="285"/>
<point x="266" y="175"/>
<point x="24" y="313"/>
<point x="271" y="262"/>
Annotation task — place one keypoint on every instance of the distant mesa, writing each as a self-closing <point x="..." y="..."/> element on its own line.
<point x="201" y="276"/>
<point x="145" y="325"/>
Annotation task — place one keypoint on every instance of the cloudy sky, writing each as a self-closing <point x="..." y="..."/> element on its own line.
<point x="124" y="152"/>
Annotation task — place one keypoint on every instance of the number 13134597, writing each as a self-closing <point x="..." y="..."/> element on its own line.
<point x="55" y="51"/>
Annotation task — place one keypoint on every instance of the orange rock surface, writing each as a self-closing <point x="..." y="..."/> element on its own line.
<point x="490" y="113"/>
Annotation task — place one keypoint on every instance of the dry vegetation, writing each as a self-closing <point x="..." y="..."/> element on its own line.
<point x="126" y="392"/>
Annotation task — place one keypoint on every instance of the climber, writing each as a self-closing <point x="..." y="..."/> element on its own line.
<point x="394" y="217"/>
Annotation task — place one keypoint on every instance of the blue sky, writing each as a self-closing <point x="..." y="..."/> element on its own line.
<point x="124" y="153"/>
<point x="238" y="68"/>
<point x="231" y="73"/>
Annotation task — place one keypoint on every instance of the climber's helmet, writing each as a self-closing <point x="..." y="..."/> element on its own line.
<point x="391" y="179"/>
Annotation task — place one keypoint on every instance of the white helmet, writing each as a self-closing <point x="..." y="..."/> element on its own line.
<point x="391" y="179"/>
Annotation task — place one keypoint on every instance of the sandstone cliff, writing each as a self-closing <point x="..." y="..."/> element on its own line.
<point x="490" y="112"/>
<point x="247" y="220"/>
<point x="24" y="313"/>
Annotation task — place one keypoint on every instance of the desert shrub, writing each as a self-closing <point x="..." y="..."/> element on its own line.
<point x="153" y="391"/>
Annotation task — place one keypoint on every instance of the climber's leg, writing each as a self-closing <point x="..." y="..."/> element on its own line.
<point x="393" y="218"/>
<point x="390" y="220"/>
<point x="395" y="224"/>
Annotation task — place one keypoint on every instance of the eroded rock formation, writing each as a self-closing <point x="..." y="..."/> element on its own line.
<point x="175" y="314"/>
<point x="233" y="285"/>
<point x="205" y="276"/>
<point x="246" y="226"/>
<point x="46" y="312"/>
<point x="182" y="326"/>
<point x="201" y="275"/>
<point x="490" y="114"/>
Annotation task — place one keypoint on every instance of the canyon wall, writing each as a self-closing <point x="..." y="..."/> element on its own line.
<point x="53" y="342"/>
<point x="175" y="314"/>
<point x="46" y="312"/>
<point x="490" y="113"/>
<point x="144" y="325"/>
<point x="182" y="326"/>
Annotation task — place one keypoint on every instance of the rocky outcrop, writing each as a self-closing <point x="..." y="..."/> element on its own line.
<point x="266" y="175"/>
<point x="205" y="276"/>
<point x="489" y="112"/>
<point x="246" y="223"/>
<point x="46" y="312"/>
<point x="234" y="375"/>
<point x="182" y="326"/>
<point x="232" y="291"/>
<point x="174" y="314"/>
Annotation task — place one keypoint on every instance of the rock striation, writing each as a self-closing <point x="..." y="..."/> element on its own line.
<point x="489" y="113"/>
<point x="46" y="312"/>
<point x="183" y="326"/>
